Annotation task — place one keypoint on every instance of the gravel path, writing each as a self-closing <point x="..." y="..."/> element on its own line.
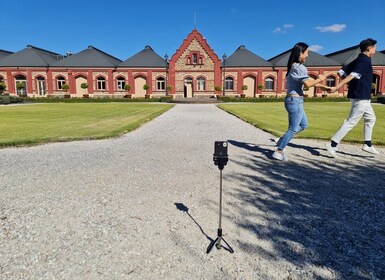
<point x="145" y="206"/>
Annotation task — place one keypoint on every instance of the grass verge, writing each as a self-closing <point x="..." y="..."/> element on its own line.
<point x="41" y="123"/>
<point x="324" y="119"/>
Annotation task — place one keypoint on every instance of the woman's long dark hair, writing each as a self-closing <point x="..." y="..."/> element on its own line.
<point x="294" y="55"/>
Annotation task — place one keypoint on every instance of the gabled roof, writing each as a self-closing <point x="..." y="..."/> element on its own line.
<point x="145" y="58"/>
<point x="195" y="35"/>
<point x="90" y="57"/>
<point x="346" y="56"/>
<point x="30" y="57"/>
<point x="313" y="60"/>
<point x="242" y="57"/>
<point x="4" y="53"/>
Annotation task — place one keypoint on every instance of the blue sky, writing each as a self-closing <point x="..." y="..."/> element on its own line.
<point x="123" y="28"/>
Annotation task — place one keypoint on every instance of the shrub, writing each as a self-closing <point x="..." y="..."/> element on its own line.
<point x="218" y="88"/>
<point x="381" y="99"/>
<point x="2" y="87"/>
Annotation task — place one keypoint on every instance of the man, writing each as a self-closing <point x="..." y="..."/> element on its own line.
<point x="359" y="75"/>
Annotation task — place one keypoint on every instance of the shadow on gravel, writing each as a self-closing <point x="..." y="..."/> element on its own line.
<point x="184" y="208"/>
<point x="319" y="213"/>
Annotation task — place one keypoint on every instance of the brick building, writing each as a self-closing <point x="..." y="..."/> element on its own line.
<point x="194" y="70"/>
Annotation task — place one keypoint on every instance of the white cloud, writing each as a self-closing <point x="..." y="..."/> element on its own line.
<point x="332" y="28"/>
<point x="283" y="28"/>
<point x="316" y="48"/>
<point x="277" y="30"/>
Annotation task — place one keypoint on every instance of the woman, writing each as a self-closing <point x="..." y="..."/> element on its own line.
<point x="296" y="77"/>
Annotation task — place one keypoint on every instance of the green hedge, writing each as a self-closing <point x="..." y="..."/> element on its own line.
<point x="281" y="99"/>
<point x="8" y="99"/>
<point x="94" y="100"/>
<point x="381" y="99"/>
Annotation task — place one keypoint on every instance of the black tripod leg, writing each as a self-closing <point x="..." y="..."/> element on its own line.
<point x="229" y="247"/>
<point x="212" y="245"/>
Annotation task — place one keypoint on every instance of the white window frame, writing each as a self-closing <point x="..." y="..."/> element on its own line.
<point x="269" y="83"/>
<point x="101" y="83"/>
<point x="201" y="84"/>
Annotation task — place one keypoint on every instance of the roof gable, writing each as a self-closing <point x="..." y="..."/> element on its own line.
<point x="195" y="35"/>
<point x="313" y="60"/>
<point x="242" y="57"/>
<point x="145" y="58"/>
<point x="90" y="57"/>
<point x="346" y="56"/>
<point x="30" y="57"/>
<point x="4" y="53"/>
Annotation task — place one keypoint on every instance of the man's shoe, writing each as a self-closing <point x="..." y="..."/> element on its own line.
<point x="332" y="150"/>
<point x="280" y="156"/>
<point x="371" y="149"/>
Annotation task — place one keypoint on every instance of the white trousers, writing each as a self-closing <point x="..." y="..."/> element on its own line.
<point x="359" y="108"/>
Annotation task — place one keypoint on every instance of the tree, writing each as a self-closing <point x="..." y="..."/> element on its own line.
<point x="2" y="87"/>
<point x="146" y="87"/>
<point x="21" y="86"/>
<point x="127" y="87"/>
<point x="84" y="86"/>
<point x="65" y="88"/>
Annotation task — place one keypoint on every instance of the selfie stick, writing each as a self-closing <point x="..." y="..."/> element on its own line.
<point x="220" y="159"/>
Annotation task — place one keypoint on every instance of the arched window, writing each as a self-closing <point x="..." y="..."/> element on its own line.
<point x="229" y="83"/>
<point x="269" y="83"/>
<point x="21" y="85"/>
<point x="201" y="83"/>
<point x="60" y="81"/>
<point x="101" y="83"/>
<point x="330" y="81"/>
<point x="160" y="83"/>
<point x="120" y="83"/>
<point x="40" y="83"/>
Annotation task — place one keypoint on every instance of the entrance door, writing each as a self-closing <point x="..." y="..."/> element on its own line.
<point x="249" y="81"/>
<point x="140" y="81"/>
<point x="188" y="88"/>
<point x="40" y="86"/>
<point x="79" y="90"/>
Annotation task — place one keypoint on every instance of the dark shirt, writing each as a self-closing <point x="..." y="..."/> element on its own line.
<point x="360" y="88"/>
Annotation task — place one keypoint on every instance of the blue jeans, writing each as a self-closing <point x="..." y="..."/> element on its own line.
<point x="297" y="120"/>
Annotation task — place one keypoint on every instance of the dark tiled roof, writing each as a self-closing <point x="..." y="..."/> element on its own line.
<point x="313" y="60"/>
<point x="346" y="56"/>
<point x="145" y="58"/>
<point x="4" y="53"/>
<point x="90" y="57"/>
<point x="30" y="57"/>
<point x="242" y="57"/>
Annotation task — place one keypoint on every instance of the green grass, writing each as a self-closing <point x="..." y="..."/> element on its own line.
<point x="42" y="123"/>
<point x="324" y="119"/>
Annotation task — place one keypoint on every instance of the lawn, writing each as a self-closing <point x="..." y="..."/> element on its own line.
<point x="41" y="123"/>
<point x="324" y="119"/>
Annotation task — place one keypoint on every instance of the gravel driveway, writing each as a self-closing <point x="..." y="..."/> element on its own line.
<point x="145" y="206"/>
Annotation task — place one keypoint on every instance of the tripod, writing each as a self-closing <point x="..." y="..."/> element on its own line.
<point x="221" y="162"/>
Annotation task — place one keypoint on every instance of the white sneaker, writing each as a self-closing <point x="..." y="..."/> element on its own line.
<point x="280" y="156"/>
<point x="371" y="149"/>
<point x="332" y="150"/>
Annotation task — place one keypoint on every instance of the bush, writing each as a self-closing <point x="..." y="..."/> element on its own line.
<point x="7" y="99"/>
<point x="165" y="98"/>
<point x="381" y="99"/>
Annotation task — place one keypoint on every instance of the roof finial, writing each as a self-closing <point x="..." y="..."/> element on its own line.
<point x="195" y="20"/>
